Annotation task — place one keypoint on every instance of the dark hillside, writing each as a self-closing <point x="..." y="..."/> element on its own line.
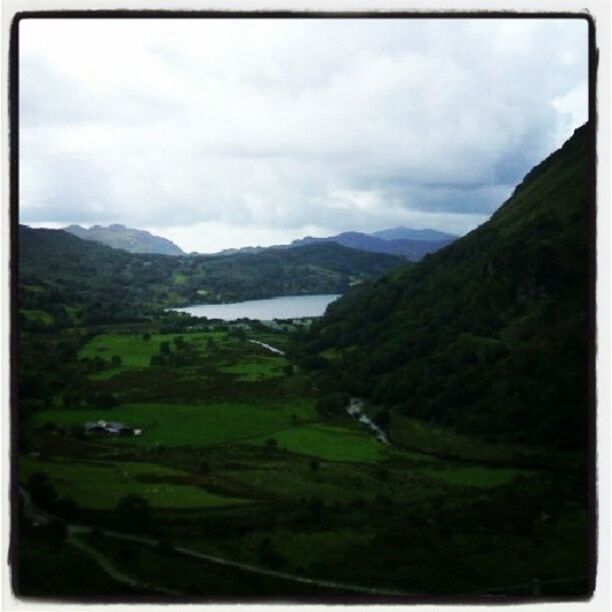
<point x="488" y="335"/>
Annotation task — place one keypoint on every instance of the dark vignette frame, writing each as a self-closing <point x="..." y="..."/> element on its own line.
<point x="591" y="272"/>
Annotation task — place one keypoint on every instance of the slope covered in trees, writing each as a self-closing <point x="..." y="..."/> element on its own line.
<point x="488" y="335"/>
<point x="60" y="274"/>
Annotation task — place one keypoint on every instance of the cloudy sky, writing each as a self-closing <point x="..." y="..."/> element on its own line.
<point x="225" y="133"/>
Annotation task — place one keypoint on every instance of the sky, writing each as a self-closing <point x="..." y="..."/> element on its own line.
<point x="236" y="132"/>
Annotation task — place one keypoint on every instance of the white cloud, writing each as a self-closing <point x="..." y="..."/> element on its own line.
<point x="273" y="126"/>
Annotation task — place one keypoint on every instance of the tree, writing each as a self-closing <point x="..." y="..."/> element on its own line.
<point x="77" y="432"/>
<point x="333" y="404"/>
<point x="116" y="360"/>
<point x="179" y="342"/>
<point x="164" y="348"/>
<point x="382" y="418"/>
<point x="42" y="492"/>
<point x="271" y="443"/>
<point x="133" y="513"/>
<point x="67" y="508"/>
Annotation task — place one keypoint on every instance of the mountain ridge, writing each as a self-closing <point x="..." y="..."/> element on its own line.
<point x="411" y="249"/>
<point x="128" y="239"/>
<point x="488" y="335"/>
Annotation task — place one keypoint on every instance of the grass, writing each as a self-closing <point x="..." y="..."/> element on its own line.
<point x="136" y="352"/>
<point x="101" y="485"/>
<point x="431" y="439"/>
<point x="189" y="425"/>
<point x="37" y="315"/>
<point x="473" y="476"/>
<point x="179" y="278"/>
<point x="62" y="571"/>
<point x="329" y="443"/>
<point x="256" y="369"/>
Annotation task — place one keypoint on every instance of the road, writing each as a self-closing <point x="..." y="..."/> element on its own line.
<point x="40" y="516"/>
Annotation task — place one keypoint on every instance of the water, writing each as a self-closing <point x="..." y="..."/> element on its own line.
<point x="284" y="307"/>
<point x="355" y="409"/>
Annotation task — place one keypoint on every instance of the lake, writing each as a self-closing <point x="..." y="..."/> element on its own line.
<point x="283" y="307"/>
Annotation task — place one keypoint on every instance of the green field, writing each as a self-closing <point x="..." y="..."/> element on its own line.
<point x="135" y="352"/>
<point x="329" y="443"/>
<point x="37" y="315"/>
<point x="257" y="369"/>
<point x="474" y="476"/>
<point x="185" y="425"/>
<point x="101" y="485"/>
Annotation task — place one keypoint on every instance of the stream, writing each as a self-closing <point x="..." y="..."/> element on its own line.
<point x="267" y="346"/>
<point x="355" y="409"/>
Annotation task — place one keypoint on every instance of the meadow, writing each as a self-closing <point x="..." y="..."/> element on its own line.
<point x="235" y="460"/>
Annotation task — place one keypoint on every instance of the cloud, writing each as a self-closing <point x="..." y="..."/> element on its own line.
<point x="284" y="125"/>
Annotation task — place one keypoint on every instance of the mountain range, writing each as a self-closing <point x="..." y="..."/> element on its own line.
<point x="126" y="238"/>
<point x="411" y="244"/>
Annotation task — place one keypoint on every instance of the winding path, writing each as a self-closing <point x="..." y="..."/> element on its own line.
<point x="39" y="515"/>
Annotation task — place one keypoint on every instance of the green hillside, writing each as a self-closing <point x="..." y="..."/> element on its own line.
<point x="71" y="280"/>
<point x="488" y="335"/>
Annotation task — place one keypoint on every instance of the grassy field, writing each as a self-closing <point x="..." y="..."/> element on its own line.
<point x="186" y="425"/>
<point x="430" y="439"/>
<point x="101" y="486"/>
<point x="329" y="443"/>
<point x="235" y="460"/>
<point x="37" y="315"/>
<point x="261" y="368"/>
<point x="473" y="476"/>
<point x="135" y="352"/>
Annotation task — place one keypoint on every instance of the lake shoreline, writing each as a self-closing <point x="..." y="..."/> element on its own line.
<point x="267" y="309"/>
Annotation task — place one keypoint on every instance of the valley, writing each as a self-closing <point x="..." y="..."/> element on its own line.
<point x="424" y="437"/>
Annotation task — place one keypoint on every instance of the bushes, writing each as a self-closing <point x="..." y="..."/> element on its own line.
<point x="333" y="404"/>
<point x="133" y="513"/>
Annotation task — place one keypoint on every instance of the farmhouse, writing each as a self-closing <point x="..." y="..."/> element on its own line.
<point x="111" y="428"/>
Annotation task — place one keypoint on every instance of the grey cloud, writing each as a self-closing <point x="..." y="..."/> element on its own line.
<point x="344" y="125"/>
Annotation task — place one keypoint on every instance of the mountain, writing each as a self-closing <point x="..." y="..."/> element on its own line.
<point x="126" y="238"/>
<point x="404" y="233"/>
<point x="60" y="273"/>
<point x="413" y="250"/>
<point x="489" y="335"/>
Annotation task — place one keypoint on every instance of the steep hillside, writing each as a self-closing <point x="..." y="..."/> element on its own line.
<point x="411" y="249"/>
<point x="489" y="335"/>
<point x="126" y="238"/>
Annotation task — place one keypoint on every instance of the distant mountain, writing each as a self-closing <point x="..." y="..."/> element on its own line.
<point x="405" y="233"/>
<point x="489" y="335"/>
<point x="126" y="238"/>
<point x="412" y="249"/>
<point x="61" y="273"/>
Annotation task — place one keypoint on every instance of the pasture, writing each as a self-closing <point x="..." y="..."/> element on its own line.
<point x="101" y="485"/>
<point x="189" y="425"/>
<point x="328" y="442"/>
<point x="136" y="352"/>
